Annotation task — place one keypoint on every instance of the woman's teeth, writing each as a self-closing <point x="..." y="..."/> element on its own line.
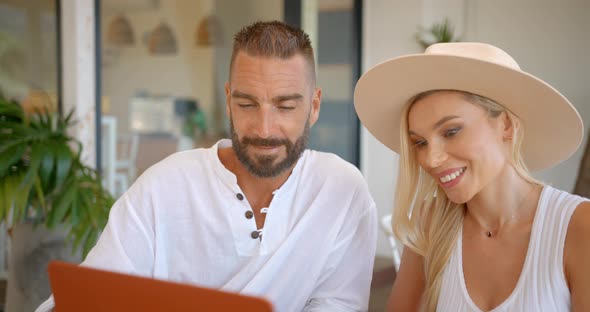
<point x="452" y="176"/>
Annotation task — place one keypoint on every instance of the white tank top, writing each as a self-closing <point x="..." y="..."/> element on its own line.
<point x="542" y="285"/>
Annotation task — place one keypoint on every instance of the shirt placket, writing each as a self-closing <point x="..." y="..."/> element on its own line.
<point x="246" y="235"/>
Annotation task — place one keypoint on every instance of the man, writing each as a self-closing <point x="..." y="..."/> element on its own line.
<point x="258" y="214"/>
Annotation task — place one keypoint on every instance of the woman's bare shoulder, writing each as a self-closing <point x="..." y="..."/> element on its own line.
<point x="576" y="256"/>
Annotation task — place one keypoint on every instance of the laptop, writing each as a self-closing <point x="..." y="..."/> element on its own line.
<point x="76" y="288"/>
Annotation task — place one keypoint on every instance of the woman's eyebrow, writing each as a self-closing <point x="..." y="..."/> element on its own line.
<point x="438" y="123"/>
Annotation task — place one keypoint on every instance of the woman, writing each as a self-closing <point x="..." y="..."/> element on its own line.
<point x="481" y="233"/>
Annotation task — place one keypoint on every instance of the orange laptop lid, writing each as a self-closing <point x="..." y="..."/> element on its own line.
<point x="77" y="289"/>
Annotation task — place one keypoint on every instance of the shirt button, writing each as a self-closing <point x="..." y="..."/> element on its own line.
<point x="240" y="196"/>
<point x="249" y="214"/>
<point x="255" y="234"/>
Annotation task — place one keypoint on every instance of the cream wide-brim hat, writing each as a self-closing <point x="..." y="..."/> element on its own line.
<point x="553" y="128"/>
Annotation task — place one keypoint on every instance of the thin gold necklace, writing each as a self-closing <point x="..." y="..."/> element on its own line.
<point x="490" y="233"/>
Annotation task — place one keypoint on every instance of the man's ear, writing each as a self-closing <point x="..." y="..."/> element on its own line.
<point x="227" y="99"/>
<point x="316" y="102"/>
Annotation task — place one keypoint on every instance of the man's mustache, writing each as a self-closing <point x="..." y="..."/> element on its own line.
<point x="268" y="142"/>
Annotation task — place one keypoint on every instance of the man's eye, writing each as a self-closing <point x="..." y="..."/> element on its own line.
<point x="245" y="105"/>
<point x="286" y="107"/>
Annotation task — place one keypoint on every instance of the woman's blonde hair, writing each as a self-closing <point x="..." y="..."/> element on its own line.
<point x="424" y="219"/>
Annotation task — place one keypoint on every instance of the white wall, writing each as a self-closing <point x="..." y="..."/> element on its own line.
<point x="548" y="38"/>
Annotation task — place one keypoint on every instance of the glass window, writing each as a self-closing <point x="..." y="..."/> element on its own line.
<point x="164" y="66"/>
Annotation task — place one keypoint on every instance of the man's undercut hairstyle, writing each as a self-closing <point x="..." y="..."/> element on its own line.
<point x="274" y="39"/>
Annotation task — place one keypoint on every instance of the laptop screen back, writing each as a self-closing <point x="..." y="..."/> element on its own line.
<point x="77" y="288"/>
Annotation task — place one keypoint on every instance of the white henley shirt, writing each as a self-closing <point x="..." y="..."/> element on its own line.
<point x="183" y="221"/>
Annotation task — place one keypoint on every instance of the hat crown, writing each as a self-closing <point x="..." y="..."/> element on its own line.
<point x="474" y="50"/>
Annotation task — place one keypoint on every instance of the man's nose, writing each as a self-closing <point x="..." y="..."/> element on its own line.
<point x="265" y="123"/>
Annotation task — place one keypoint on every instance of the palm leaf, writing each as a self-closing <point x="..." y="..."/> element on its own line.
<point x="64" y="162"/>
<point x="48" y="164"/>
<point x="9" y="157"/>
<point x="61" y="205"/>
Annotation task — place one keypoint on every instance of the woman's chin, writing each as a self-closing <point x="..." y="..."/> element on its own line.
<point x="458" y="198"/>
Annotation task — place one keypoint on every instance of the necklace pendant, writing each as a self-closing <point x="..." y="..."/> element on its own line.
<point x="489" y="234"/>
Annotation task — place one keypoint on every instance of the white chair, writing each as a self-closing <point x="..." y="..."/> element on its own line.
<point x="396" y="247"/>
<point x="125" y="165"/>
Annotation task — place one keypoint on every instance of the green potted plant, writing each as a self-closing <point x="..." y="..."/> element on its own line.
<point x="437" y="33"/>
<point x="45" y="188"/>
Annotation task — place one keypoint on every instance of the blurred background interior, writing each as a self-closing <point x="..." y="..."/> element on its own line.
<point x="146" y="77"/>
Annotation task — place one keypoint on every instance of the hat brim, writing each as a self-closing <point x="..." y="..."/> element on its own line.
<point x="553" y="127"/>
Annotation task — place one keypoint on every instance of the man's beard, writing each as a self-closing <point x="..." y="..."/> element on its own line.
<point x="264" y="166"/>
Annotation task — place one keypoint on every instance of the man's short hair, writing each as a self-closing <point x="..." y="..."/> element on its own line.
<point x="273" y="39"/>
